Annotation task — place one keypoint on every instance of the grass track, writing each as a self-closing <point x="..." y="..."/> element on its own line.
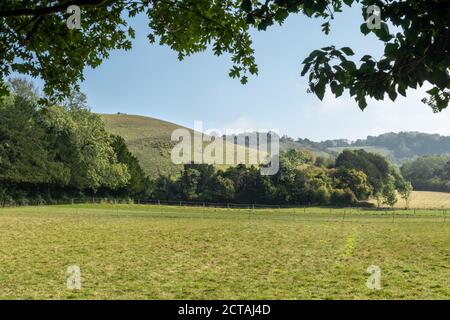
<point x="151" y="252"/>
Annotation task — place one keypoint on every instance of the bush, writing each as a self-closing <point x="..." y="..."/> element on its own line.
<point x="342" y="197"/>
<point x="37" y="200"/>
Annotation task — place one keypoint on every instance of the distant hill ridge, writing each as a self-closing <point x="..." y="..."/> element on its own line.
<point x="149" y="140"/>
<point x="399" y="147"/>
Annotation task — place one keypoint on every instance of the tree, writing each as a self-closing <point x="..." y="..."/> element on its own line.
<point x="187" y="184"/>
<point x="139" y="185"/>
<point x="446" y="170"/>
<point x="428" y="173"/>
<point x="34" y="40"/>
<point x="354" y="180"/>
<point x="389" y="193"/>
<point x="219" y="189"/>
<point x="23" y="88"/>
<point x="79" y="140"/>
<point x="406" y="192"/>
<point x="376" y="167"/>
<point x="25" y="157"/>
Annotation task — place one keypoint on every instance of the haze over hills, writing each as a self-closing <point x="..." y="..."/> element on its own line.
<point x="398" y="147"/>
<point x="149" y="139"/>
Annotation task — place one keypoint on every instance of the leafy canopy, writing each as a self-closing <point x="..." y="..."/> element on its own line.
<point x="35" y="40"/>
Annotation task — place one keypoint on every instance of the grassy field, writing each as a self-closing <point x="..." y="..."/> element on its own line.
<point x="151" y="252"/>
<point x="424" y="199"/>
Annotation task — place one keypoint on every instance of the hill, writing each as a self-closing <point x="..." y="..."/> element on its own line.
<point x="405" y="146"/>
<point x="397" y="147"/>
<point x="149" y="139"/>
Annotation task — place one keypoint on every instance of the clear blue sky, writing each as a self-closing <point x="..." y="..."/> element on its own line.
<point x="149" y="80"/>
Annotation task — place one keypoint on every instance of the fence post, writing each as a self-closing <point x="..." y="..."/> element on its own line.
<point x="343" y="217"/>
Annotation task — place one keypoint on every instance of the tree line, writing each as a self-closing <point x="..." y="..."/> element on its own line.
<point x="57" y="152"/>
<point x="49" y="153"/>
<point x="429" y="173"/>
<point x="355" y="177"/>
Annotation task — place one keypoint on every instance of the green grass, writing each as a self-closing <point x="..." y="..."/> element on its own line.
<point x="151" y="252"/>
<point x="147" y="138"/>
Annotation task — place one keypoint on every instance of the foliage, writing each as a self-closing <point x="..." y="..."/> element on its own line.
<point x="354" y="180"/>
<point x="81" y="142"/>
<point x="357" y="176"/>
<point x="54" y="151"/>
<point x="35" y="41"/>
<point x="428" y="173"/>
<point x="25" y="154"/>
<point x="139" y="185"/>
<point x="406" y="192"/>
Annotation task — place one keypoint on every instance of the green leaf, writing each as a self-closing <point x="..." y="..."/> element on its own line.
<point x="383" y="33"/>
<point x="349" y="65"/>
<point x="348" y="51"/>
<point x="281" y="14"/>
<point x="390" y="49"/>
<point x="364" y="29"/>
<point x="392" y="93"/>
<point x="319" y="89"/>
<point x="305" y="69"/>
<point x="246" y="5"/>
<point x="402" y="89"/>
<point x="362" y="103"/>
<point x="348" y="2"/>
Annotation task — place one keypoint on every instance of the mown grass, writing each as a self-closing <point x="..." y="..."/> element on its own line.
<point x="152" y="252"/>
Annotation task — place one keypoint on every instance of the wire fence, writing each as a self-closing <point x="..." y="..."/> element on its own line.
<point x="282" y="211"/>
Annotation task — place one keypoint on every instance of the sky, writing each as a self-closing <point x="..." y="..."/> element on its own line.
<point x="149" y="80"/>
